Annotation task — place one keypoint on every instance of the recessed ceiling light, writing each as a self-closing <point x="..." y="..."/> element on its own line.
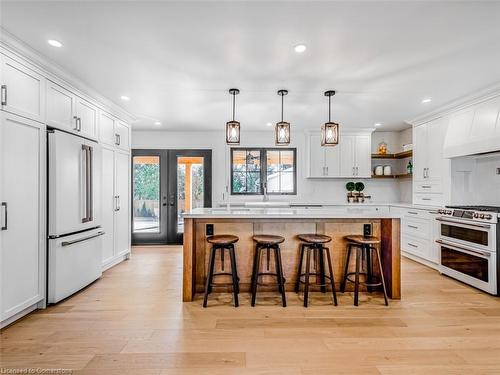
<point x="426" y="100"/>
<point x="377" y="124"/>
<point x="54" y="43"/>
<point x="157" y="123"/>
<point x="124" y="98"/>
<point x="269" y="124"/>
<point x="299" y="48"/>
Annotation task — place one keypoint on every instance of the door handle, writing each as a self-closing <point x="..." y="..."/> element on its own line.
<point x="68" y="243"/>
<point x="4" y="95"/>
<point x="117" y="203"/>
<point x="412" y="245"/>
<point x="5" y="217"/>
<point x="76" y="123"/>
<point x="79" y="124"/>
<point x="357" y="171"/>
<point x="117" y="139"/>
<point x="412" y="226"/>
<point x="171" y="200"/>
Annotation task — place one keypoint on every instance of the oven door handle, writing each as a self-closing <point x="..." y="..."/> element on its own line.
<point x="486" y="226"/>
<point x="458" y="247"/>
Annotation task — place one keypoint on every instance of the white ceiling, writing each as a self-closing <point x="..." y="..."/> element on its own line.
<point x="176" y="60"/>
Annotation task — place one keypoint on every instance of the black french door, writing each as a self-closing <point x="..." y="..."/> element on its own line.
<point x="166" y="183"/>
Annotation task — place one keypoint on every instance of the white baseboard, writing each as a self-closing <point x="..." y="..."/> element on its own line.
<point x="423" y="261"/>
<point x="19" y="315"/>
<point x="115" y="260"/>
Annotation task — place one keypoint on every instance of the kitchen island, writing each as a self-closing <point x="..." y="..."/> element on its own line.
<point x="336" y="222"/>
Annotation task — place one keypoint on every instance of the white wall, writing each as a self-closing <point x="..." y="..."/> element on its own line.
<point x="308" y="190"/>
<point x="474" y="180"/>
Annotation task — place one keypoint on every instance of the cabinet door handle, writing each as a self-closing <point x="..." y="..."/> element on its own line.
<point x="4" y="95"/>
<point x="353" y="171"/>
<point x="117" y="139"/>
<point x="357" y="171"/>
<point x="426" y="199"/>
<point x="412" y="226"/>
<point x="413" y="212"/>
<point x="412" y="245"/>
<point x="79" y="124"/>
<point x="426" y="186"/>
<point x="76" y="123"/>
<point x="5" y="216"/>
<point x="327" y="171"/>
<point x="117" y="203"/>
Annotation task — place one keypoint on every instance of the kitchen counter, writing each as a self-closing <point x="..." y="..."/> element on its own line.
<point x="335" y="221"/>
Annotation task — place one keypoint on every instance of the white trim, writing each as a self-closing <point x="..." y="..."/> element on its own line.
<point x="420" y="260"/>
<point x="458" y="104"/>
<point x="115" y="260"/>
<point x="53" y="72"/>
<point x="18" y="316"/>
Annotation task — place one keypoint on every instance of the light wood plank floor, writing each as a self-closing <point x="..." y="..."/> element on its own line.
<point x="132" y="321"/>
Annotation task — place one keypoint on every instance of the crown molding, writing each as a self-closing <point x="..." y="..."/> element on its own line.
<point x="458" y="104"/>
<point x="56" y="73"/>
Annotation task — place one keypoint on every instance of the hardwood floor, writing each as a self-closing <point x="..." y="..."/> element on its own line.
<point x="132" y="321"/>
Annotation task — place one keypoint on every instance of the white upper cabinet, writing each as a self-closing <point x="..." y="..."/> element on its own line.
<point x="86" y="115"/>
<point x="22" y="90"/>
<point x="122" y="135"/>
<point x="350" y="158"/>
<point x="107" y="128"/>
<point x="355" y="155"/>
<point x="419" y="152"/>
<point x="60" y="108"/>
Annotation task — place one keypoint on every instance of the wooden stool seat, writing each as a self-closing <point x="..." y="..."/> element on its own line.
<point x="222" y="239"/>
<point x="363" y="240"/>
<point x="314" y="238"/>
<point x="268" y="239"/>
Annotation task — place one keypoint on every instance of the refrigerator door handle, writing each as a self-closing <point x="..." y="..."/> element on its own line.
<point x="5" y="218"/>
<point x="87" y="183"/>
<point x="68" y="243"/>
<point x="90" y="190"/>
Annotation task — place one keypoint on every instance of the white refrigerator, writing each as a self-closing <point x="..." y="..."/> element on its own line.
<point x="74" y="217"/>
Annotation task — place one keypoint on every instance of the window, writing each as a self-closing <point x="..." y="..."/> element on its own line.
<point x="251" y="166"/>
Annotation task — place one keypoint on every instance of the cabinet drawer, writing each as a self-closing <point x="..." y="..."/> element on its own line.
<point x="428" y="187"/>
<point x="428" y="199"/>
<point x="416" y="227"/>
<point x="415" y="246"/>
<point x="412" y="213"/>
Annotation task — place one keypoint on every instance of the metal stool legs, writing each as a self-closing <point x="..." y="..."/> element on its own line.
<point x="234" y="272"/>
<point x="318" y="251"/>
<point x="278" y="266"/>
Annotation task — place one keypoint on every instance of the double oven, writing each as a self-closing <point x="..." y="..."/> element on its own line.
<point x="468" y="244"/>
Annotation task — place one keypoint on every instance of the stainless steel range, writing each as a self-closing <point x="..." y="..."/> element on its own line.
<point x="469" y="243"/>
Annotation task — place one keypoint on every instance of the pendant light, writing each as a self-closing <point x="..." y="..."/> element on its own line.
<point x="329" y="130"/>
<point x="282" y="127"/>
<point x="233" y="127"/>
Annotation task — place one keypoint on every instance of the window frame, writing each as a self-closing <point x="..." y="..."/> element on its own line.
<point x="263" y="168"/>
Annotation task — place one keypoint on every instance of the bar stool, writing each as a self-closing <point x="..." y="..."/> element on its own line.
<point x="222" y="242"/>
<point x="268" y="242"/>
<point x="366" y="247"/>
<point x="315" y="243"/>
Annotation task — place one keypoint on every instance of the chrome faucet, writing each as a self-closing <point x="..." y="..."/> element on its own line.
<point x="265" y="197"/>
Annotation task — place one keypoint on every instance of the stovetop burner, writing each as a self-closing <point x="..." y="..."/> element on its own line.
<point x="477" y="208"/>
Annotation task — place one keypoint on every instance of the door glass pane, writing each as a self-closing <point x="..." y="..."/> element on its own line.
<point x="190" y="186"/>
<point x="146" y="170"/>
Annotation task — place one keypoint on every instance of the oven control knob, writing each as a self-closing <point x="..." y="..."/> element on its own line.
<point x="481" y="216"/>
<point x="476" y="215"/>
<point x="440" y="211"/>
<point x="449" y="212"/>
<point x="488" y="216"/>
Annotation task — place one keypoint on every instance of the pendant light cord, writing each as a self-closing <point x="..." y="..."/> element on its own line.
<point x="329" y="108"/>
<point x="282" y="107"/>
<point x="234" y="97"/>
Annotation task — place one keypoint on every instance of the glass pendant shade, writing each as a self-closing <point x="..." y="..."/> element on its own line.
<point x="329" y="134"/>
<point x="282" y="133"/>
<point x="282" y="128"/>
<point x="233" y="126"/>
<point x="329" y="130"/>
<point x="233" y="133"/>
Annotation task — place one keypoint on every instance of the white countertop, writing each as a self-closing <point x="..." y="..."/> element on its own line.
<point x="333" y="212"/>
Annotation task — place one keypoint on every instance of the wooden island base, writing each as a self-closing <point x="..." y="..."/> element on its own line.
<point x="196" y="248"/>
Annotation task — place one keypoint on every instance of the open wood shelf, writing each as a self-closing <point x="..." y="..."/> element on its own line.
<point x="405" y="175"/>
<point x="398" y="155"/>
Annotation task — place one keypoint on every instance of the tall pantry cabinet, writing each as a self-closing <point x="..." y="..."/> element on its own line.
<point x="32" y="100"/>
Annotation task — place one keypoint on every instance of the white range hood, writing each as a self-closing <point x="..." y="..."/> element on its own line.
<point x="474" y="130"/>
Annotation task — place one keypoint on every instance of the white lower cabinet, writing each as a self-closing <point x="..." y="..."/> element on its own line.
<point x="419" y="231"/>
<point x="22" y="197"/>
<point x="116" y="203"/>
